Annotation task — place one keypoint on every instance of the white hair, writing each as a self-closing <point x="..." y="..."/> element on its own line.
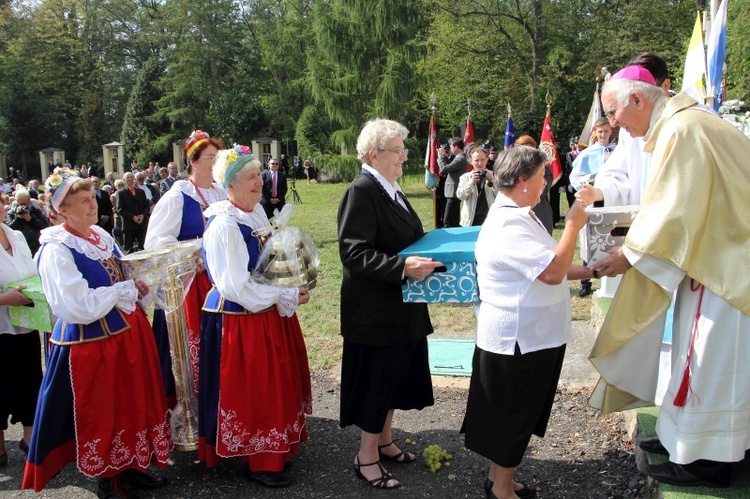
<point x="622" y="89"/>
<point x="376" y="134"/>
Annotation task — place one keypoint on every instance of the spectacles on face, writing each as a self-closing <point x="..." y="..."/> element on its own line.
<point x="273" y="164"/>
<point x="610" y="113"/>
<point x="401" y="151"/>
<point x="210" y="157"/>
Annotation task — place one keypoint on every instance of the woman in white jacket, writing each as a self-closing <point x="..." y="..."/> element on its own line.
<point x="476" y="190"/>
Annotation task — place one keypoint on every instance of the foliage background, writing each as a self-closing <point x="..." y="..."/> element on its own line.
<point x="80" y="73"/>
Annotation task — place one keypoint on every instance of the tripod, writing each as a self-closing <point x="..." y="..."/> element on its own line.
<point x="293" y="192"/>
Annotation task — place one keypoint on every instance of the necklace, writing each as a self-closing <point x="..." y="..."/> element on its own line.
<point x="239" y="207"/>
<point x="94" y="238"/>
<point x="200" y="194"/>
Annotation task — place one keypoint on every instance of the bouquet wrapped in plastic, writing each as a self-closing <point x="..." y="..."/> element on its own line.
<point x="289" y="257"/>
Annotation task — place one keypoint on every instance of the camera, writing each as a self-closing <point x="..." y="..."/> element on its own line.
<point x="446" y="147"/>
<point x="482" y="174"/>
<point x="22" y="210"/>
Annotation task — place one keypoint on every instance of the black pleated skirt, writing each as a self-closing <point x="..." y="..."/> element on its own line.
<point x="376" y="379"/>
<point x="510" y="398"/>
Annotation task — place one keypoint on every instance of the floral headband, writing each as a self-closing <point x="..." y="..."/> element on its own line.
<point x="194" y="141"/>
<point x="58" y="185"/>
<point x="236" y="159"/>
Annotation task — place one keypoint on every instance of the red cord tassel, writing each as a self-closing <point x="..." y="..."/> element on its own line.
<point x="680" y="399"/>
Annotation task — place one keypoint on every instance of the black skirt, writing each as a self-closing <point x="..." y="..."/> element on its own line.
<point x="376" y="379"/>
<point x="20" y="377"/>
<point x="510" y="398"/>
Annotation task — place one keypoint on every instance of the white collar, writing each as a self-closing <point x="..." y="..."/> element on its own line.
<point x="57" y="234"/>
<point x="255" y="219"/>
<point x="390" y="189"/>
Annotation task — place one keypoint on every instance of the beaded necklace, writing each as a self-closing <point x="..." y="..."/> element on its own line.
<point x="94" y="238"/>
<point x="239" y="207"/>
<point x="200" y="194"/>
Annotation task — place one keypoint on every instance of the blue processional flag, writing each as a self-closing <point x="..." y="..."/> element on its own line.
<point x="716" y="48"/>
<point x="510" y="134"/>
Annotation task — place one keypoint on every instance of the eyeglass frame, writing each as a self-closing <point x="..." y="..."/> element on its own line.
<point x="403" y="151"/>
<point x="210" y="157"/>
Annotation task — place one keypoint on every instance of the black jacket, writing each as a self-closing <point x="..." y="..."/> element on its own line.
<point x="372" y="229"/>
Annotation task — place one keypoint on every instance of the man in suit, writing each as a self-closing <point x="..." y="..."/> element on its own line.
<point x="133" y="207"/>
<point x="452" y="169"/>
<point x="167" y="183"/>
<point x="274" y="188"/>
<point x="104" y="206"/>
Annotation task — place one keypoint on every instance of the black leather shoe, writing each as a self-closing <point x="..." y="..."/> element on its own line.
<point x="523" y="493"/>
<point x="23" y="446"/>
<point x="677" y="474"/>
<point x="115" y="487"/>
<point x="268" y="478"/>
<point x="653" y="445"/>
<point x="143" y="481"/>
<point x="584" y="292"/>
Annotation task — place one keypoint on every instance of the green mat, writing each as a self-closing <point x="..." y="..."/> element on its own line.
<point x="450" y="357"/>
<point x="740" y="488"/>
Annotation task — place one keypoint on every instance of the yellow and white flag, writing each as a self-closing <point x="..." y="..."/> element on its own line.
<point x="694" y="77"/>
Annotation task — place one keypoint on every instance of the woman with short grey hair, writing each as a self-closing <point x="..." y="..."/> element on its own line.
<point x="523" y="323"/>
<point x="385" y="363"/>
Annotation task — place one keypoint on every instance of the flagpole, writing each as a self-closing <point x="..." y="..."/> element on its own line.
<point x="431" y="145"/>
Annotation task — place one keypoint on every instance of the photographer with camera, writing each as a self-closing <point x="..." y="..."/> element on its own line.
<point x="476" y="190"/>
<point x="27" y="219"/>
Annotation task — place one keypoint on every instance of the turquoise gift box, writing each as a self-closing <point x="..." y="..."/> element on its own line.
<point x="38" y="317"/>
<point x="454" y="247"/>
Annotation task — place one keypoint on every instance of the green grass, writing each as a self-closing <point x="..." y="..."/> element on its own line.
<point x="320" y="317"/>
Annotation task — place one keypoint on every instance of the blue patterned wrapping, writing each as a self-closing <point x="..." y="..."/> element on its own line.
<point x="458" y="284"/>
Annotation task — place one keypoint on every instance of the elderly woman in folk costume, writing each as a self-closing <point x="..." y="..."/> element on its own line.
<point x="178" y="216"/>
<point x="254" y="376"/>
<point x="102" y="402"/>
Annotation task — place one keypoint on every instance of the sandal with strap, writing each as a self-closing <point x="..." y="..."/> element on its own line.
<point x="401" y="458"/>
<point x="381" y="482"/>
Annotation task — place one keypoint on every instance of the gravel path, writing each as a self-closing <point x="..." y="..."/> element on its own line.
<point x="584" y="455"/>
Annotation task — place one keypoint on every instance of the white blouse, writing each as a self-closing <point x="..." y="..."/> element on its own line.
<point x="512" y="250"/>
<point x="166" y="219"/>
<point x="67" y="292"/>
<point x="227" y="259"/>
<point x="15" y="267"/>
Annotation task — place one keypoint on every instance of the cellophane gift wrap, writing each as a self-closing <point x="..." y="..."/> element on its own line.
<point x="289" y="257"/>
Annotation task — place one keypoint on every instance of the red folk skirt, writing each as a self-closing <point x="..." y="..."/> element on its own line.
<point x="264" y="391"/>
<point x="101" y="405"/>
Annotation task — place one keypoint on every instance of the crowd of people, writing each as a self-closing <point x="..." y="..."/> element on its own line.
<point x="103" y="400"/>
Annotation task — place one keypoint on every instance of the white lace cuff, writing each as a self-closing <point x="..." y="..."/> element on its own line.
<point x="127" y="296"/>
<point x="288" y="301"/>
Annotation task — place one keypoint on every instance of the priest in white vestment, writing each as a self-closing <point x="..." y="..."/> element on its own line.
<point x="691" y="235"/>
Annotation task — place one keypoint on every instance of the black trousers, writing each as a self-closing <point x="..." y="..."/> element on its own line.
<point x="452" y="215"/>
<point x="554" y="199"/>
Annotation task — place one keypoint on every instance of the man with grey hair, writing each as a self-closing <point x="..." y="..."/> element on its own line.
<point x="692" y="236"/>
<point x="24" y="216"/>
<point x="152" y="193"/>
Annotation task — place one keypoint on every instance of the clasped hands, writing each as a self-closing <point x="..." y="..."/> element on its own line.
<point x="615" y="264"/>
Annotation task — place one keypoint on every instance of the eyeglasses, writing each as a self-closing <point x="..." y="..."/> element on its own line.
<point x="273" y="164"/>
<point x="210" y="157"/>
<point x="610" y="113"/>
<point x="401" y="151"/>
